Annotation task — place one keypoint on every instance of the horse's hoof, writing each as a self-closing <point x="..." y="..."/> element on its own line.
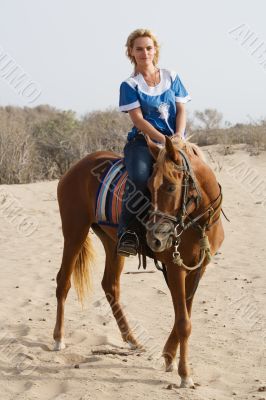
<point x="187" y="382"/>
<point x="134" y="346"/>
<point x="171" y="367"/>
<point x="59" y="345"/>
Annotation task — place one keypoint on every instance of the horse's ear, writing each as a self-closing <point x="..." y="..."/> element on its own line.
<point x="170" y="149"/>
<point x="154" y="149"/>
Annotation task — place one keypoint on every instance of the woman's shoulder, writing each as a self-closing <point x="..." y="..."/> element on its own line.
<point x="130" y="81"/>
<point x="169" y="73"/>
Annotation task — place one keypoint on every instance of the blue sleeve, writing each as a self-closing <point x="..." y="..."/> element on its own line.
<point x="181" y="94"/>
<point x="128" y="99"/>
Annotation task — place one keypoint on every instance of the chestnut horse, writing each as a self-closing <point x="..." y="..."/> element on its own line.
<point x="184" y="231"/>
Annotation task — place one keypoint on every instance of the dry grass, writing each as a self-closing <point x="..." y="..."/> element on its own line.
<point x="42" y="143"/>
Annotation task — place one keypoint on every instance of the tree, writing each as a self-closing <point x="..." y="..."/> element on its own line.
<point x="55" y="145"/>
<point x="209" y="118"/>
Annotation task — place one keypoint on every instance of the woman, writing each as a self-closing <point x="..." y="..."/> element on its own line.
<point x="154" y="99"/>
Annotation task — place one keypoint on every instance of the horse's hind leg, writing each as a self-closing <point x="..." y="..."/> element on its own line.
<point x="111" y="285"/>
<point x="74" y="244"/>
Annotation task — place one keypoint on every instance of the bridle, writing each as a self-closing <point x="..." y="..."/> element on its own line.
<point x="183" y="220"/>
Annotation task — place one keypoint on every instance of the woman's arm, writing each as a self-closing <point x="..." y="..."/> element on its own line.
<point x="180" y="120"/>
<point x="144" y="126"/>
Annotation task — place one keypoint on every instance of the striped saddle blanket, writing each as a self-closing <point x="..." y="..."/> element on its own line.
<point x="110" y="193"/>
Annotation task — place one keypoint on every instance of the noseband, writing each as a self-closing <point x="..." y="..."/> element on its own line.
<point x="182" y="221"/>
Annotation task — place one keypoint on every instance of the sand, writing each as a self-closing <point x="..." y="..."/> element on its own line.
<point x="227" y="345"/>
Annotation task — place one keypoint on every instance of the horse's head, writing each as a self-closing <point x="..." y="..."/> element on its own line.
<point x="165" y="186"/>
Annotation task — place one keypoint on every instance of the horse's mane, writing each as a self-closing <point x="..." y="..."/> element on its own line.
<point x="166" y="167"/>
<point x="193" y="149"/>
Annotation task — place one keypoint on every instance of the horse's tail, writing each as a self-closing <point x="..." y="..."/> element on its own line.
<point x="82" y="271"/>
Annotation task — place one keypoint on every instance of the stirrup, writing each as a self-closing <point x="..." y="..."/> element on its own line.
<point x="128" y="244"/>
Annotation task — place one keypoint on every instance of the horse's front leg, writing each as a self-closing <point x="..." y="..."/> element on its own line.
<point x="182" y="326"/>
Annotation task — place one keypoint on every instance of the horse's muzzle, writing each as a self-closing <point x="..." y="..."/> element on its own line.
<point x="160" y="238"/>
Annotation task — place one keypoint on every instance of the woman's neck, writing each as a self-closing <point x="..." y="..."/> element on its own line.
<point x="145" y="70"/>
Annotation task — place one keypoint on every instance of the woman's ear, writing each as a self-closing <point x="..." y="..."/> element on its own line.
<point x="154" y="149"/>
<point x="170" y="149"/>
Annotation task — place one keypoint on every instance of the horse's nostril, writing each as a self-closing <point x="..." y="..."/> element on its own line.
<point x="157" y="243"/>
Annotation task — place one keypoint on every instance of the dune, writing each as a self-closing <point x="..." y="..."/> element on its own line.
<point x="227" y="345"/>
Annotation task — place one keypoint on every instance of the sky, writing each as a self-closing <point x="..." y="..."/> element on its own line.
<point x="72" y="52"/>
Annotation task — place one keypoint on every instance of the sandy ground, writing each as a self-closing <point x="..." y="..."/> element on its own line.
<point x="227" y="345"/>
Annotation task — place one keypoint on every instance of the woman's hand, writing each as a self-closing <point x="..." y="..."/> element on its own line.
<point x="176" y="136"/>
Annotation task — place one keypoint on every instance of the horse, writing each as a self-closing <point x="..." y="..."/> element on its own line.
<point x="183" y="229"/>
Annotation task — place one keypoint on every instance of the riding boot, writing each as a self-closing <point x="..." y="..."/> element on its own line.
<point x="127" y="239"/>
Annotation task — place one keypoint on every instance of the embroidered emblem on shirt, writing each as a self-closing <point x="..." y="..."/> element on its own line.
<point x="164" y="114"/>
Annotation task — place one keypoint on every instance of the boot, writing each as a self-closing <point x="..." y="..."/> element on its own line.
<point x="128" y="244"/>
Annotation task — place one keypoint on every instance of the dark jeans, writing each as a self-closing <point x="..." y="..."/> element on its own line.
<point x="138" y="161"/>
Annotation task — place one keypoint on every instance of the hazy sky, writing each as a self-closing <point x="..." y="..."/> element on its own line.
<point x="74" y="50"/>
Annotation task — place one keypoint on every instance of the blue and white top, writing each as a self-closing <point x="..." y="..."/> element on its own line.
<point x="158" y="103"/>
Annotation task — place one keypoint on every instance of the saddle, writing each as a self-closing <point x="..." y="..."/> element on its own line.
<point x="109" y="206"/>
<point x="110" y="193"/>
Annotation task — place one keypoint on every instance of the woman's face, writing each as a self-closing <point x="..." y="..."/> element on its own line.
<point x="143" y="51"/>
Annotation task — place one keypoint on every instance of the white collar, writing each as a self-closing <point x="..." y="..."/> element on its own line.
<point x="163" y="85"/>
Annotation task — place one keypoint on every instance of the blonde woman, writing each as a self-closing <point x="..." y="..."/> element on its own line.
<point x="155" y="100"/>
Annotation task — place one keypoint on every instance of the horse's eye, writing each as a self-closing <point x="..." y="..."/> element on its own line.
<point x="170" y="188"/>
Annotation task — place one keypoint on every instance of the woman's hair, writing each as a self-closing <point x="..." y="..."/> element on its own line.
<point x="142" y="33"/>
